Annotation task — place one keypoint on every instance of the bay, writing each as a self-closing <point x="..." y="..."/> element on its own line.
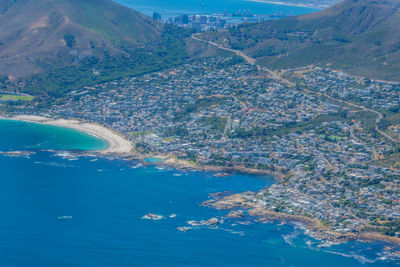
<point x="17" y="135"/>
<point x="83" y="211"/>
<point x="208" y="7"/>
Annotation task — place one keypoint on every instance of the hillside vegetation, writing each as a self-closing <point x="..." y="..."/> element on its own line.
<point x="53" y="46"/>
<point x="361" y="37"/>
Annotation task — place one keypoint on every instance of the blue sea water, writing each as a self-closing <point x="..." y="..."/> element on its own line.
<point x="60" y="210"/>
<point x="168" y="8"/>
<point x="18" y="135"/>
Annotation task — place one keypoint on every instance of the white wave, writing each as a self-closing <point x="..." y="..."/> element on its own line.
<point x="289" y="238"/>
<point x="241" y="233"/>
<point x="64" y="217"/>
<point x="327" y="244"/>
<point x="245" y="222"/>
<point x="359" y="258"/>
<point x="54" y="164"/>
<point x="137" y="166"/>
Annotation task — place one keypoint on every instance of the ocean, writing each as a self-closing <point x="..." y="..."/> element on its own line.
<point x="172" y="8"/>
<point x="17" y="135"/>
<point x="60" y="208"/>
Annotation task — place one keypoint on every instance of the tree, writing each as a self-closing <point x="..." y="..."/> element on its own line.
<point x="69" y="40"/>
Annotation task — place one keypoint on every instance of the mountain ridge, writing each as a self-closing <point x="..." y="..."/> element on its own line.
<point x="361" y="37"/>
<point x="91" y="28"/>
<point x="51" y="47"/>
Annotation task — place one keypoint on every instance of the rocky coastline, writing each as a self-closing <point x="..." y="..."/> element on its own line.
<point x="235" y="203"/>
<point x="313" y="226"/>
<point x="221" y="171"/>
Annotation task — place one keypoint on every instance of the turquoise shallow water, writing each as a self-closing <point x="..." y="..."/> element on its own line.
<point x="58" y="209"/>
<point x="16" y="135"/>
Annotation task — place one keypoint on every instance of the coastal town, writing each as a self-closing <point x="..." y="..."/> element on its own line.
<point x="320" y="132"/>
<point x="217" y="21"/>
<point x="200" y="133"/>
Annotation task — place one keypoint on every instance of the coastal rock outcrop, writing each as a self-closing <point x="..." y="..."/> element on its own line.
<point x="183" y="229"/>
<point x="212" y="222"/>
<point x="235" y="214"/>
<point x="152" y="216"/>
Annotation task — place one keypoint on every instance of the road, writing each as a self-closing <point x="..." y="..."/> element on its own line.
<point x="377" y="121"/>
<point x="248" y="59"/>
<point x="276" y="76"/>
<point x="227" y="126"/>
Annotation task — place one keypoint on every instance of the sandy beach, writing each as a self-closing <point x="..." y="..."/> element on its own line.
<point x="288" y="4"/>
<point x="116" y="143"/>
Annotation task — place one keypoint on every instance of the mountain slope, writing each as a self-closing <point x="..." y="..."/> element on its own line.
<point x="358" y="36"/>
<point x="38" y="34"/>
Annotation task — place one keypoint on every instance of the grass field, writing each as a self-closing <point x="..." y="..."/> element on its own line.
<point x="16" y="97"/>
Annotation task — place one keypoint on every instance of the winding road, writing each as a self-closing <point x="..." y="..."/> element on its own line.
<point x="377" y="121"/>
<point x="248" y="59"/>
<point x="276" y="76"/>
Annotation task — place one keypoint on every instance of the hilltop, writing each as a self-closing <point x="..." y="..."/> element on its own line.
<point x="35" y="33"/>
<point x="52" y="46"/>
<point x="361" y="37"/>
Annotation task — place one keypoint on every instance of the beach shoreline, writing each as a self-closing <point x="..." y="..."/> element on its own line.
<point x="289" y="4"/>
<point x="119" y="146"/>
<point x="116" y="143"/>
